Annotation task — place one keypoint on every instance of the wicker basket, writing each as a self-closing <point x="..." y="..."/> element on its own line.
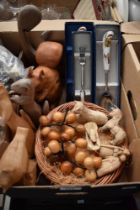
<point x="53" y="173"/>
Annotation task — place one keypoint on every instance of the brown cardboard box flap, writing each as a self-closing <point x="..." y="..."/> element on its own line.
<point x="131" y="77"/>
<point x="130" y="38"/>
<point x="48" y="25"/>
<point x="131" y="52"/>
<point x="133" y="170"/>
<point x="115" y="14"/>
<point x="131" y="27"/>
<point x="128" y="125"/>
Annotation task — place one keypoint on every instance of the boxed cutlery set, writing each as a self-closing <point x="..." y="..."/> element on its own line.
<point x="93" y="61"/>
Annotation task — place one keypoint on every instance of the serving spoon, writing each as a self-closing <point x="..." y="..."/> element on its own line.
<point x="107" y="98"/>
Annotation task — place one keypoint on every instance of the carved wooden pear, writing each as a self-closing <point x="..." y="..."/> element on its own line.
<point x="14" y="161"/>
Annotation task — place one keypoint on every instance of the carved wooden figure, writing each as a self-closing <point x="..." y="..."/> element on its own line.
<point x="47" y="83"/>
<point x="14" y="161"/>
<point x="23" y="93"/>
<point x="12" y="120"/>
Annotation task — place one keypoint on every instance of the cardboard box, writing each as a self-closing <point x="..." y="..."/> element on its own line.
<point x="10" y="39"/>
<point x="130" y="180"/>
<point x="131" y="68"/>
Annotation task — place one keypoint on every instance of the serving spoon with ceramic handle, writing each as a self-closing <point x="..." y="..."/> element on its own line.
<point x="106" y="98"/>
